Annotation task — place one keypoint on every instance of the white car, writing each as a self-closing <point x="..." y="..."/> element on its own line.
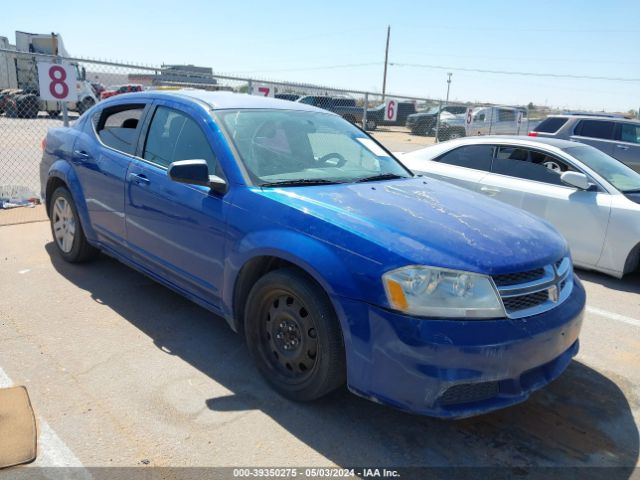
<point x="591" y="198"/>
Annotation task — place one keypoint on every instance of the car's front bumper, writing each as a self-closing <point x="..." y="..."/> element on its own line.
<point x="456" y="368"/>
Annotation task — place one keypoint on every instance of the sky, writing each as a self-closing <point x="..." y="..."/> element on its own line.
<point x="341" y="43"/>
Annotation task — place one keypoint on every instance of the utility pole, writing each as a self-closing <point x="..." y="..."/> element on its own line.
<point x="448" y="87"/>
<point x="440" y="108"/>
<point x="386" y="60"/>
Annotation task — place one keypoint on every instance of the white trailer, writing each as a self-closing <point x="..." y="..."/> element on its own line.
<point x="19" y="69"/>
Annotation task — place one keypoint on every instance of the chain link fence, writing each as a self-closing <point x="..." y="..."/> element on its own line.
<point x="400" y="122"/>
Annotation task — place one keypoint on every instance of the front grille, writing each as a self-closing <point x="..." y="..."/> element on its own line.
<point x="535" y="291"/>
<point x="518" y="277"/>
<point x="469" y="392"/>
<point x="522" y="302"/>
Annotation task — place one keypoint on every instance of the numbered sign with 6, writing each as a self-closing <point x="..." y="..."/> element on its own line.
<point x="391" y="110"/>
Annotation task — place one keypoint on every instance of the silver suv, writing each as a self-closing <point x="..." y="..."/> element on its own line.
<point x="615" y="136"/>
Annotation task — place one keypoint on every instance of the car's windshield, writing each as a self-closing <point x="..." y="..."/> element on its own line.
<point x="613" y="171"/>
<point x="292" y="146"/>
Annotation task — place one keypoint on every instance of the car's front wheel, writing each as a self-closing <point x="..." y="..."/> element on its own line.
<point x="66" y="229"/>
<point x="85" y="105"/>
<point x="294" y="335"/>
<point x="371" y="124"/>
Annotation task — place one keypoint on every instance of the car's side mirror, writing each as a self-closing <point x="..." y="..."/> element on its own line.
<point x="575" y="179"/>
<point x="196" y="172"/>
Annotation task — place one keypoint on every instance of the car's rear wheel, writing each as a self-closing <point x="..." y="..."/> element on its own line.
<point x="67" y="230"/>
<point x="371" y="124"/>
<point x="294" y="335"/>
<point x="350" y="118"/>
<point x="85" y="105"/>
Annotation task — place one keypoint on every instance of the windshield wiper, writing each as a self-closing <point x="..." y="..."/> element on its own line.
<point x="382" y="176"/>
<point x="299" y="181"/>
<point x="633" y="190"/>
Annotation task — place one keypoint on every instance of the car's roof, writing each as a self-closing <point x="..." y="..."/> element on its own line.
<point x="594" y="116"/>
<point x="223" y="100"/>
<point x="512" y="139"/>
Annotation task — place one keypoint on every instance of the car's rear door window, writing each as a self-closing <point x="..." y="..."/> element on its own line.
<point x="629" y="132"/>
<point x="529" y="165"/>
<point x="595" y="129"/>
<point x="550" y="125"/>
<point x="174" y="136"/>
<point x="506" y="115"/>
<point x="477" y="157"/>
<point x="118" y="127"/>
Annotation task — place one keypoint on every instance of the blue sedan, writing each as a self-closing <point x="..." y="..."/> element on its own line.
<point x="336" y="263"/>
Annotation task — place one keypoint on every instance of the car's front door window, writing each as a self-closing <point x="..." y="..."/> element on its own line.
<point x="529" y="165"/>
<point x="629" y="133"/>
<point x="174" y="136"/>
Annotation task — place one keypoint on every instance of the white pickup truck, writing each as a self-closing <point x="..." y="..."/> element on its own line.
<point x="483" y="121"/>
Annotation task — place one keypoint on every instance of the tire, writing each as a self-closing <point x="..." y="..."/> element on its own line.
<point x="85" y="105"/>
<point x="294" y="336"/>
<point x="450" y="134"/>
<point x="27" y="106"/>
<point x="68" y="235"/>
<point x="53" y="113"/>
<point x="371" y="124"/>
<point x="350" y="118"/>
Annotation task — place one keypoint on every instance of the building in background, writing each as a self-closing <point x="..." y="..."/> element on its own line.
<point x="178" y="75"/>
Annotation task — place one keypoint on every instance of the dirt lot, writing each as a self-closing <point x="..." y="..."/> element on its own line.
<point x="125" y="372"/>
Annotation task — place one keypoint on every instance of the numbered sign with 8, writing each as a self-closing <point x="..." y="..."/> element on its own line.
<point x="57" y="81"/>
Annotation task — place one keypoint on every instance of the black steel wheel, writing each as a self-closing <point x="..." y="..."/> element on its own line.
<point x="294" y="336"/>
<point x="85" y="105"/>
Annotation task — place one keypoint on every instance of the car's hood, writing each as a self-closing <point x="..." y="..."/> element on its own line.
<point x="426" y="221"/>
<point x="421" y="115"/>
<point x="634" y="197"/>
<point x="453" y="120"/>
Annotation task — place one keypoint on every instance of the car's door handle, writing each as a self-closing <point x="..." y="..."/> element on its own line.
<point x="81" y="154"/>
<point x="139" y="178"/>
<point x="489" y="190"/>
<point x="622" y="147"/>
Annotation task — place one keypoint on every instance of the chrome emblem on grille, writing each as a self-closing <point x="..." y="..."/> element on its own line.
<point x="554" y="296"/>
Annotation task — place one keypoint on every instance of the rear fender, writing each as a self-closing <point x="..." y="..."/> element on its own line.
<point x="62" y="170"/>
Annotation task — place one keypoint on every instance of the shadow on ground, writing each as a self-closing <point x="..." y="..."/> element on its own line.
<point x="630" y="283"/>
<point x="582" y="419"/>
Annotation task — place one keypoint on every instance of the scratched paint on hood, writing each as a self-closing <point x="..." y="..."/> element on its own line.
<point x="429" y="222"/>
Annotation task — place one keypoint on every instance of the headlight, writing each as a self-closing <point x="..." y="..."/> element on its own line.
<point x="440" y="292"/>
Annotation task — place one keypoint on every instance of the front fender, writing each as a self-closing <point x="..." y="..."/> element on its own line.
<point x="313" y="256"/>
<point x="324" y="263"/>
<point x="63" y="170"/>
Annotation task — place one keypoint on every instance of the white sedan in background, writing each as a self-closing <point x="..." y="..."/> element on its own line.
<point x="591" y="198"/>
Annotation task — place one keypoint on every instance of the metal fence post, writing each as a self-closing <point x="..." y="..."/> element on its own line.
<point x="364" y="113"/>
<point x="65" y="110"/>
<point x="250" y="87"/>
<point x="491" y="119"/>
<point x="438" y="121"/>
<point x="58" y="60"/>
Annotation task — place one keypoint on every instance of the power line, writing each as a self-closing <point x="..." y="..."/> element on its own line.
<point x="308" y="69"/>
<point x="525" y="74"/>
